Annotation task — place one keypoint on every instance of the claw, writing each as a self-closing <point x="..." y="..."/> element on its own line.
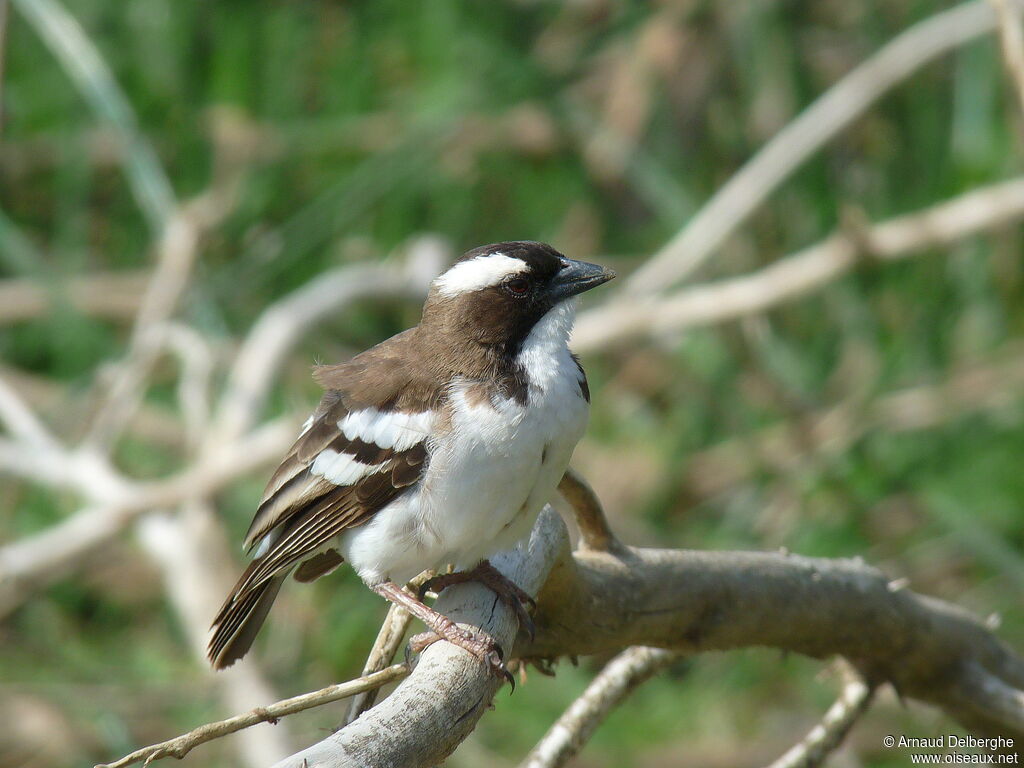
<point x="511" y="680"/>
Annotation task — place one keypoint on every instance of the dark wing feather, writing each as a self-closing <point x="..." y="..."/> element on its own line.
<point x="293" y="487"/>
<point x="302" y="512"/>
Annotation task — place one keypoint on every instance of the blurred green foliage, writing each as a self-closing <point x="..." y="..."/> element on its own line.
<point x="365" y="123"/>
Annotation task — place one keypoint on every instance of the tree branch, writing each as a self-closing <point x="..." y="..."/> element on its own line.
<point x="620" y="677"/>
<point x="688" y="602"/>
<point x="805" y="271"/>
<point x="812" y="129"/>
<point x="823" y="739"/>
<point x="1012" y="43"/>
<point x="180" y="746"/>
<point x="691" y="602"/>
<point x="47" y="556"/>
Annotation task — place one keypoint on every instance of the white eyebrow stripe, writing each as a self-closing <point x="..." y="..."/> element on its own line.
<point x="341" y="468"/>
<point x="479" y="272"/>
<point x="387" y="429"/>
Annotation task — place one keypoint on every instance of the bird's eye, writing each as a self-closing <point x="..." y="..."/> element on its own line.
<point x="518" y="286"/>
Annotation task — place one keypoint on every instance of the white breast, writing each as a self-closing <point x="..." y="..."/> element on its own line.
<point x="490" y="474"/>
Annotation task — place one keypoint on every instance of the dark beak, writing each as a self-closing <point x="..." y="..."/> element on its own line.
<point x="576" y="277"/>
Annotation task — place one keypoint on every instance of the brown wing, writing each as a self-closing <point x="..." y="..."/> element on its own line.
<point x="309" y="502"/>
<point x="302" y="509"/>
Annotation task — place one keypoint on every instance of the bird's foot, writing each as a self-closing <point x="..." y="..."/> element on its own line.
<point x="507" y="591"/>
<point x="479" y="643"/>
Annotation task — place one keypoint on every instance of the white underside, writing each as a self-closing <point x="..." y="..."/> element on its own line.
<point x="489" y="477"/>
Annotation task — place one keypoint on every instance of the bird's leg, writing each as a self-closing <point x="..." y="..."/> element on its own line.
<point x="480" y="644"/>
<point x="484" y="573"/>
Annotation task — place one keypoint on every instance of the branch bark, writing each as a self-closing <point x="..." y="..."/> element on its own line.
<point x="692" y="602"/>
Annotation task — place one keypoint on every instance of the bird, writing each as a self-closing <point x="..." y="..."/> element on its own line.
<point x="436" y="448"/>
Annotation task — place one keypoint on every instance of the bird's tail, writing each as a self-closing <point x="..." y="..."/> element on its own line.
<point x="240" y="618"/>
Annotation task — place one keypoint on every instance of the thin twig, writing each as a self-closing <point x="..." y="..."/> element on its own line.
<point x="1011" y="40"/>
<point x="108" y="295"/>
<point x="826" y="736"/>
<point x="620" y="677"/>
<point x="389" y="638"/>
<point x="282" y="324"/>
<point x="595" y="533"/>
<point x="833" y="111"/>
<point x="43" y="557"/>
<point x="182" y="745"/>
<point x="21" y="422"/>
<point x="796" y="275"/>
<point x="176" y="254"/>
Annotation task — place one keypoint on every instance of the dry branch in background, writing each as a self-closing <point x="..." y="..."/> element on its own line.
<point x="180" y="746"/>
<point x="1011" y="40"/>
<point x="823" y="739"/>
<point x="111" y="295"/>
<point x="833" y="111"/>
<point x="832" y="431"/>
<point x="606" y="691"/>
<point x="810" y="269"/>
<point x="38" y="560"/>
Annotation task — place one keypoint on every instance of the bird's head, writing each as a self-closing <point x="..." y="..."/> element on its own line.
<point x="497" y="294"/>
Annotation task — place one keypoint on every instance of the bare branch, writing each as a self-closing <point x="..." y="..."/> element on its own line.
<point x="822" y="740"/>
<point x="830" y="432"/>
<point x="805" y="271"/>
<point x="191" y="550"/>
<point x="109" y="295"/>
<point x="196" y="359"/>
<point x="182" y="745"/>
<point x="615" y="682"/>
<point x="44" y="557"/>
<point x="21" y="422"/>
<point x="282" y="324"/>
<point x="689" y="602"/>
<point x="176" y="254"/>
<point x="733" y="204"/>
<point x="692" y="602"/>
<point x="595" y="533"/>
<point x="1011" y="39"/>
<point x="389" y="638"/>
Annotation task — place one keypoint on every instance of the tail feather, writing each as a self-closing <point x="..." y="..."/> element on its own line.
<point x="240" y="619"/>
